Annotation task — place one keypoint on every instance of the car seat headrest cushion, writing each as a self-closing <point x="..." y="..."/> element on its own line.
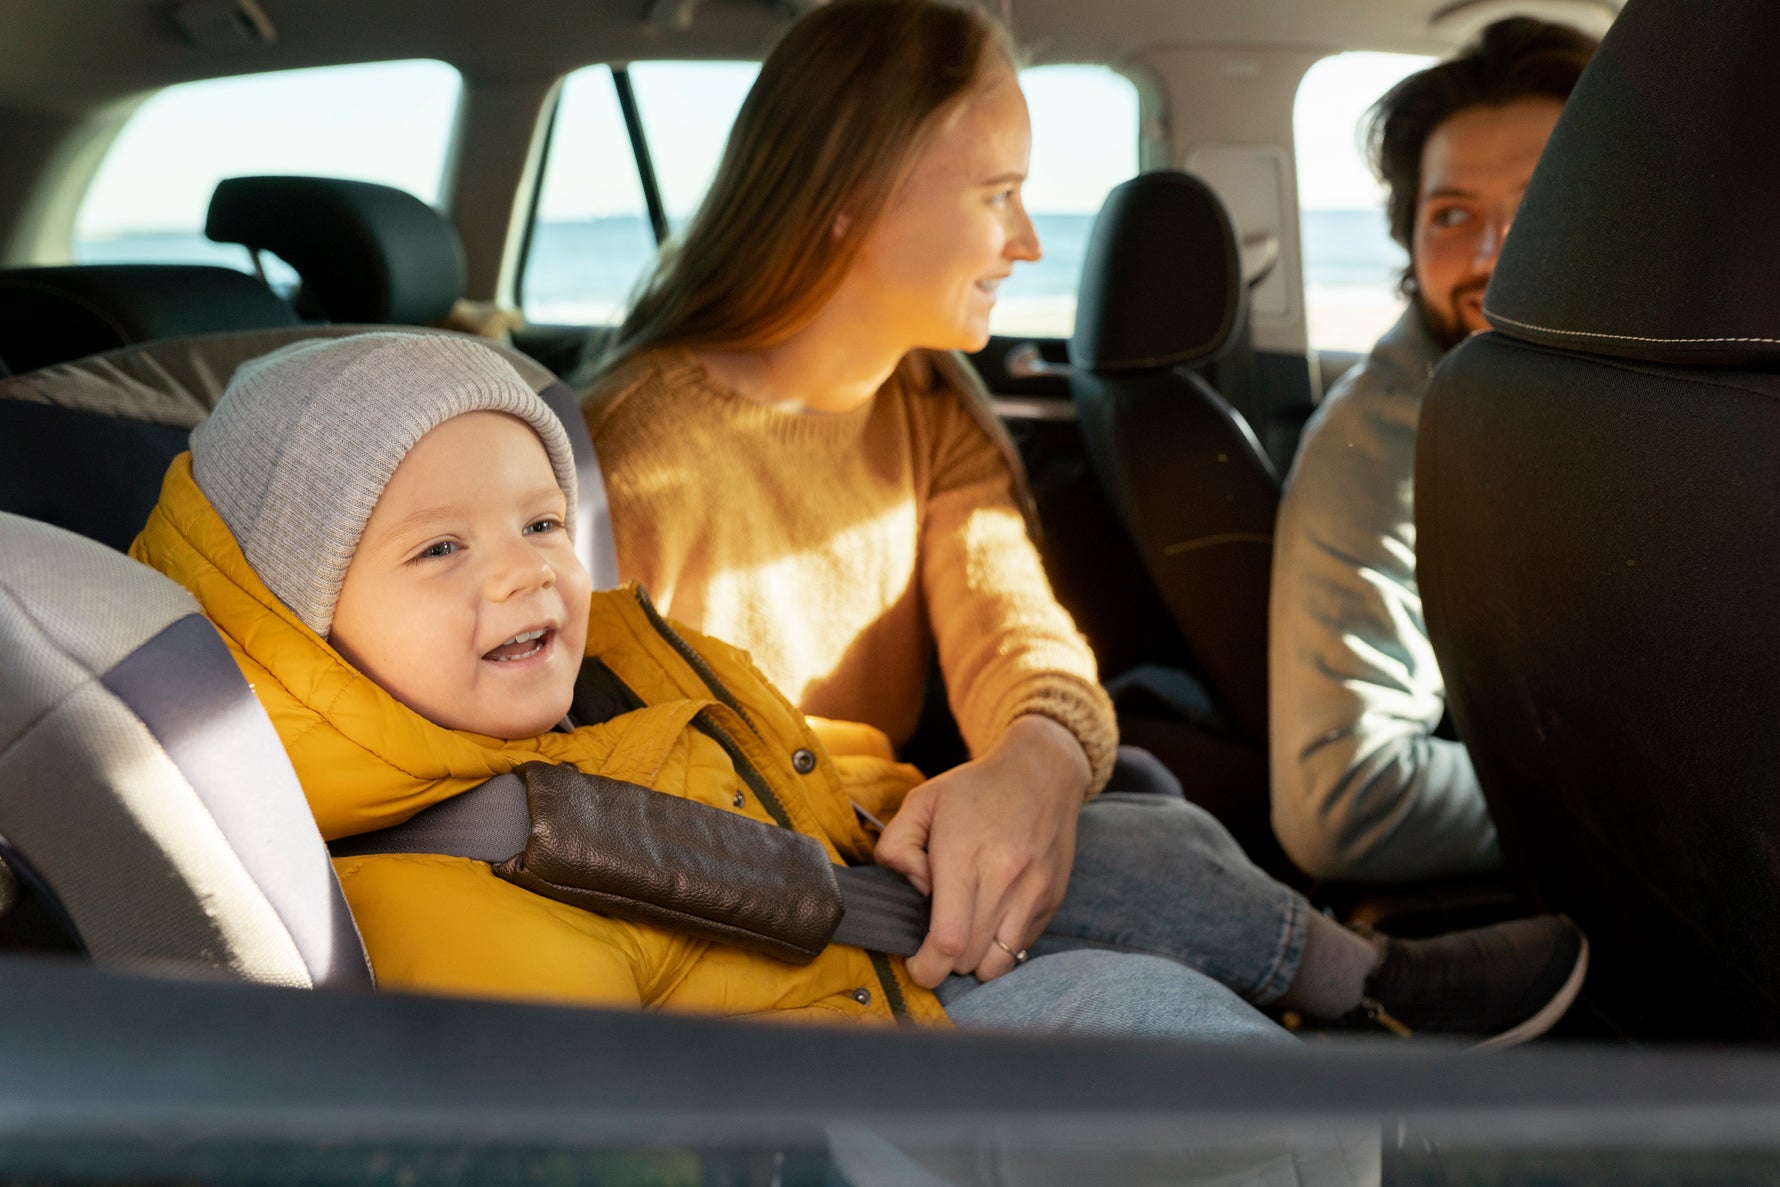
<point x="1648" y="230"/>
<point x="1162" y="280"/>
<point x="366" y="252"/>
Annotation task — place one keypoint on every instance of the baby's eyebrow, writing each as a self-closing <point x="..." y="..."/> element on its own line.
<point x="421" y="520"/>
<point x="424" y="520"/>
<point x="545" y="494"/>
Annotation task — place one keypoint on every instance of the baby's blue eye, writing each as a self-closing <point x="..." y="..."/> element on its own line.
<point x="443" y="548"/>
<point x="542" y="526"/>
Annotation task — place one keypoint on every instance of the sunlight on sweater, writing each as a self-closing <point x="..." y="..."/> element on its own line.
<point x="836" y="630"/>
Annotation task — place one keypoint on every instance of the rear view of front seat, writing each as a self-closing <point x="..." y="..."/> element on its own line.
<point x="51" y="315"/>
<point x="1162" y="292"/>
<point x="366" y="253"/>
<point x="145" y="799"/>
<point x="1598" y="519"/>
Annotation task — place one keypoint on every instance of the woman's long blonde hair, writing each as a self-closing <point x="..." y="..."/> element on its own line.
<point x="831" y="127"/>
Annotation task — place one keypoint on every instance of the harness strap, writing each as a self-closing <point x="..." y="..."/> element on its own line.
<point x="883" y="912"/>
<point x="487" y="823"/>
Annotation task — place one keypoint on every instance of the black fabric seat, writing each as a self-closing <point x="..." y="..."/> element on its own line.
<point x="90" y="472"/>
<point x="1163" y="295"/>
<point x="1598" y="522"/>
<point x="367" y="253"/>
<point x="51" y="315"/>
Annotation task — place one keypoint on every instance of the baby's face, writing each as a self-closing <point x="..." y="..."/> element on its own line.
<point x="465" y="599"/>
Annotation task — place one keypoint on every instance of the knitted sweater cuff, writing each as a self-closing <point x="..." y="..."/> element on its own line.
<point x="1082" y="708"/>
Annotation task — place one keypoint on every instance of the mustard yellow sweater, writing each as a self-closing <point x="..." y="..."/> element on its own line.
<point x="840" y="548"/>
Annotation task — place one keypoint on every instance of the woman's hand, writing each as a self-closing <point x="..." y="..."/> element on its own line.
<point x="991" y="841"/>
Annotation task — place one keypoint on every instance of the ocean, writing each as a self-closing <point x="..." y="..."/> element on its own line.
<point x="583" y="271"/>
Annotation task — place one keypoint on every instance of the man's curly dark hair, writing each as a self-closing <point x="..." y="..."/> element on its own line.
<point x="1516" y="58"/>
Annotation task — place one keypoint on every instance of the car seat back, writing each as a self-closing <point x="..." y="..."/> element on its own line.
<point x="1162" y="293"/>
<point x="367" y="253"/>
<point x="142" y="788"/>
<point x="85" y="444"/>
<point x="1598" y="523"/>
<point x="51" y="315"/>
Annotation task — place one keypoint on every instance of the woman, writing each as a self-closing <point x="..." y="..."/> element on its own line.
<point x="796" y="465"/>
<point x="791" y="470"/>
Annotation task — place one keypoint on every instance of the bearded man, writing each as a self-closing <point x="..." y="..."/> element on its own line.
<point x="1365" y="788"/>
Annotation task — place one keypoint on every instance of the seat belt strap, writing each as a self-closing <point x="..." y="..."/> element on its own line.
<point x="883" y="912"/>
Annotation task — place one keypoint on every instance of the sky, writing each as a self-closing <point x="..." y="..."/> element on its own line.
<point x="1333" y="96"/>
<point x="391" y="122"/>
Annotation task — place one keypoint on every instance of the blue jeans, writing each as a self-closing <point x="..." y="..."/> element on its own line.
<point x="1164" y="917"/>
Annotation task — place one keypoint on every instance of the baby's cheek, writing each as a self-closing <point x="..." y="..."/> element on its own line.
<point x="574" y="634"/>
<point x="563" y="673"/>
<point x="577" y="597"/>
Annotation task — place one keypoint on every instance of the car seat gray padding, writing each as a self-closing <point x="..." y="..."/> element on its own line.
<point x="593" y="515"/>
<point x="140" y="779"/>
<point x="176" y="382"/>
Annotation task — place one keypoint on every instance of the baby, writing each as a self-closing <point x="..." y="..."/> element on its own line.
<point x="381" y="528"/>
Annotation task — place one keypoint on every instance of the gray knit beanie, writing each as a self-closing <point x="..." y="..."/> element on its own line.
<point x="304" y="440"/>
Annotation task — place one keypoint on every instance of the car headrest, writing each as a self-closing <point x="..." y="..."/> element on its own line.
<point x="1647" y="232"/>
<point x="143" y="790"/>
<point x="49" y="315"/>
<point x="1162" y="281"/>
<point x="366" y="253"/>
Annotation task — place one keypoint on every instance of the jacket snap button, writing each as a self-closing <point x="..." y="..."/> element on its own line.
<point x="862" y="996"/>
<point x="803" y="761"/>
<point x="740" y="799"/>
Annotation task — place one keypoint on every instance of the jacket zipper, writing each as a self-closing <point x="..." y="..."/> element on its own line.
<point x="692" y="657"/>
<point x="704" y="722"/>
<point x="752" y="777"/>
<point x="899" y="1009"/>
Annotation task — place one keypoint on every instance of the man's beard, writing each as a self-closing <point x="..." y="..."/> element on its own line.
<point x="1446" y="325"/>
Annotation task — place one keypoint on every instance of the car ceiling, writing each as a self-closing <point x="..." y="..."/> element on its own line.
<point x="77" y="55"/>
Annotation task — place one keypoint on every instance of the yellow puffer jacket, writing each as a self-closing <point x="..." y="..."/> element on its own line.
<point x="448" y="925"/>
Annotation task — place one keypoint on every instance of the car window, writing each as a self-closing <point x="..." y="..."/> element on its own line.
<point x="387" y="122"/>
<point x="591" y="240"/>
<point x="688" y="109"/>
<point x="1084" y="142"/>
<point x="1351" y="264"/>
<point x="590" y="237"/>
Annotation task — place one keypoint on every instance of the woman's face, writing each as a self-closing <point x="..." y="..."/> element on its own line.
<point x="929" y="270"/>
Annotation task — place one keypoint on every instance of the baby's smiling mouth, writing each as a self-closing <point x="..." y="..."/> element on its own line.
<point x="521" y="646"/>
